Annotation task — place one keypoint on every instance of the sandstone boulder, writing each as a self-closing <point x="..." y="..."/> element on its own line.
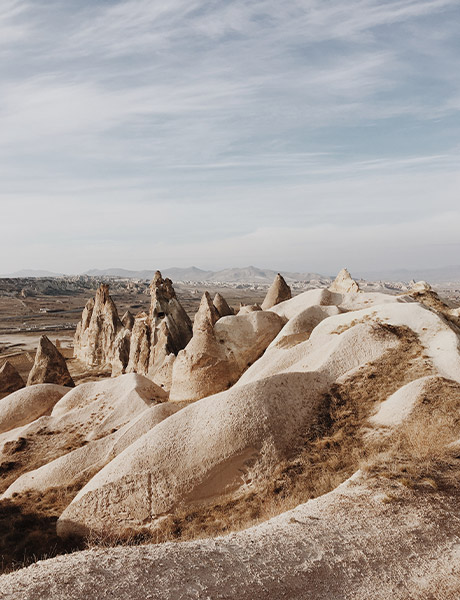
<point x="279" y="291"/>
<point x="49" y="366"/>
<point x="10" y="380"/>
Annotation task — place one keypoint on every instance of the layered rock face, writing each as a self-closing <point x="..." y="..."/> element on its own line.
<point x="220" y="350"/>
<point x="156" y="338"/>
<point x="100" y="324"/>
<point x="10" y="380"/>
<point x="279" y="291"/>
<point x="49" y="366"/>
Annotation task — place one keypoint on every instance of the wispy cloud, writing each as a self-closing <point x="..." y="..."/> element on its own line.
<point x="281" y="111"/>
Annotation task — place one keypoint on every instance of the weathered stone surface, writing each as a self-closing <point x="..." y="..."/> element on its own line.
<point x="139" y="351"/>
<point x="222" y="306"/>
<point x="120" y="352"/>
<point x="128" y="320"/>
<point x="96" y="333"/>
<point x="344" y="283"/>
<point x="163" y="332"/>
<point x="279" y="291"/>
<point x="248" y="308"/>
<point x="10" y="380"/>
<point x="220" y="350"/>
<point x="49" y="366"/>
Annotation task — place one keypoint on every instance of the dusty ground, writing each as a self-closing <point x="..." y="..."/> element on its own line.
<point x="352" y="544"/>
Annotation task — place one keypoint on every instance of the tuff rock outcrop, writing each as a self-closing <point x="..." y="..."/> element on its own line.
<point x="222" y="306"/>
<point x="248" y="308"/>
<point x="128" y="320"/>
<point x="220" y="350"/>
<point x="10" y="380"/>
<point x="157" y="337"/>
<point x="100" y="324"/>
<point x="279" y="291"/>
<point x="344" y="283"/>
<point x="49" y="366"/>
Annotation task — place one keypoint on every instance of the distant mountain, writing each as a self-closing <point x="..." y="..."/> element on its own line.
<point x="32" y="273"/>
<point x="125" y="273"/>
<point x="244" y="275"/>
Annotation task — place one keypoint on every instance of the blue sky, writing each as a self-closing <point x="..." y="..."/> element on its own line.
<point x="298" y="135"/>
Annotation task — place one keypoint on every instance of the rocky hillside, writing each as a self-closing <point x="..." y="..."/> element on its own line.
<point x="314" y="444"/>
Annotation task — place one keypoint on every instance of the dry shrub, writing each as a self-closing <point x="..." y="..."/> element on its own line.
<point x="422" y="452"/>
<point x="28" y="527"/>
<point x="331" y="451"/>
<point x="33" y="450"/>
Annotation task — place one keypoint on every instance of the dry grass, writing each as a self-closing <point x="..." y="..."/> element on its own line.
<point x="330" y="453"/>
<point x="28" y="527"/>
<point x="33" y="450"/>
<point x="421" y="453"/>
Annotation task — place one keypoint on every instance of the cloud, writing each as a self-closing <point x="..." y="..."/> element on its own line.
<point x="222" y="120"/>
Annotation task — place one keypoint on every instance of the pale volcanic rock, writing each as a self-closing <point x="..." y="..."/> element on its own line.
<point x="365" y="540"/>
<point x="120" y="352"/>
<point x="10" y="380"/>
<point x="220" y="350"/>
<point x="222" y="306"/>
<point x="199" y="453"/>
<point x="344" y="283"/>
<point x="68" y="469"/>
<point x="164" y="331"/>
<point x="139" y="352"/>
<point x="96" y="332"/>
<point x="127" y="320"/>
<point x="49" y="366"/>
<point x="279" y="291"/>
<point x="299" y="328"/>
<point x="248" y="308"/>
<point x="165" y="306"/>
<point x="420" y="286"/>
<point x="30" y="403"/>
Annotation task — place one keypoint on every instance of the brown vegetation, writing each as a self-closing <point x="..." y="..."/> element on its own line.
<point x="28" y="528"/>
<point x="330" y="453"/>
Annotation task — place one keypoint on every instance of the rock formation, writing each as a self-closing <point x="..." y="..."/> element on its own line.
<point x="160" y="334"/>
<point x="324" y="385"/>
<point x="221" y="306"/>
<point x="344" y="283"/>
<point x="420" y="286"/>
<point x="26" y="405"/>
<point x="10" y="380"/>
<point x="49" y="366"/>
<point x="248" y="308"/>
<point x="279" y="291"/>
<point x="120" y="352"/>
<point x="128" y="320"/>
<point x="96" y="333"/>
<point x="220" y="350"/>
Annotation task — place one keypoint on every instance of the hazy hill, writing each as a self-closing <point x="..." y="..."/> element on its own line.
<point x="33" y="273"/>
<point x="249" y="274"/>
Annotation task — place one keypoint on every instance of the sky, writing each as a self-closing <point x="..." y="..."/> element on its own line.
<point x="303" y="135"/>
